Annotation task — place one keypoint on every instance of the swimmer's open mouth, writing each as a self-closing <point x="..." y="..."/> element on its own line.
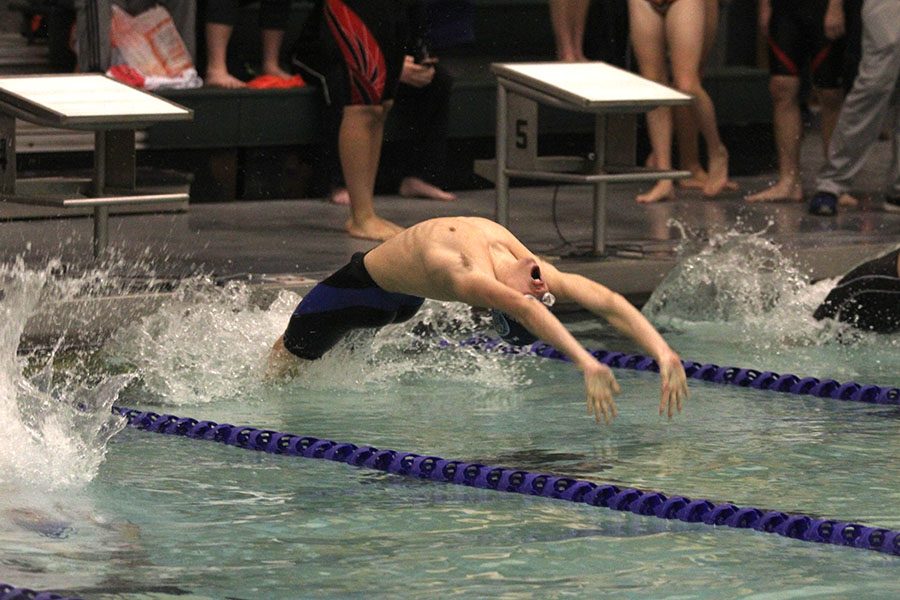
<point x="535" y="272"/>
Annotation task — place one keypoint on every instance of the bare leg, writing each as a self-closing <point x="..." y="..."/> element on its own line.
<point x="648" y="41"/>
<point x="280" y="362"/>
<point x="217" y="75"/>
<point x="788" y="133"/>
<point x="686" y="131"/>
<point x="568" y="17"/>
<point x="271" y="49"/>
<point x="685" y="34"/>
<point x="359" y="146"/>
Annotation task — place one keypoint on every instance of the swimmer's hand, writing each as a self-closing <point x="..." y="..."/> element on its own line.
<point x="674" y="384"/>
<point x="600" y="385"/>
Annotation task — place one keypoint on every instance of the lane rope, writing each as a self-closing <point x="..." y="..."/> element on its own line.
<point x="742" y="377"/>
<point x="642" y="502"/>
<point x="11" y="592"/>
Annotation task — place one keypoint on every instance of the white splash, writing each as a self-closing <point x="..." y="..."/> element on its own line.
<point x="209" y="343"/>
<point x="732" y="277"/>
<point x="738" y="297"/>
<point x="205" y="343"/>
<point x="53" y="433"/>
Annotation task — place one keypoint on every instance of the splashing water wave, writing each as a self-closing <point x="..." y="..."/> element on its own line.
<point x="209" y="343"/>
<point x="739" y="297"/>
<point x="53" y="432"/>
<point x="733" y="277"/>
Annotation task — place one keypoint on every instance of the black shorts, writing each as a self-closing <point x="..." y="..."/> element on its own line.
<point x="868" y="297"/>
<point x="797" y="41"/>
<point x="349" y="299"/>
<point x="365" y="43"/>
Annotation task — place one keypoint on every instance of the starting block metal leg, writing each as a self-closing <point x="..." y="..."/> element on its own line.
<point x="101" y="230"/>
<point x="501" y="182"/>
<point x="7" y="155"/>
<point x="115" y="159"/>
<point x="599" y="238"/>
<point x="121" y="159"/>
<point x="517" y="137"/>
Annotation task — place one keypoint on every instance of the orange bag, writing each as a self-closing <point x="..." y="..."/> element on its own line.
<point x="149" y="42"/>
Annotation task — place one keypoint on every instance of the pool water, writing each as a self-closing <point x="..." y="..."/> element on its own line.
<point x="105" y="512"/>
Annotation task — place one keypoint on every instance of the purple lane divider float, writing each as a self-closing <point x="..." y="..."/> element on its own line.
<point x="741" y="377"/>
<point x="11" y="592"/>
<point x="503" y="479"/>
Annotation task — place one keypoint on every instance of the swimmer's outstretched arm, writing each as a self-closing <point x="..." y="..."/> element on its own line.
<point x="627" y="319"/>
<point x="600" y="384"/>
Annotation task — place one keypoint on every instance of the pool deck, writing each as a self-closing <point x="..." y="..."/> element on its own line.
<point x="289" y="243"/>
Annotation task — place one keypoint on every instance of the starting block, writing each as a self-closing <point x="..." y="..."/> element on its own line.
<point x="113" y="111"/>
<point x="613" y="95"/>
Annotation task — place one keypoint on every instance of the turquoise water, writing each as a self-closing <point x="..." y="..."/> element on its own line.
<point x="139" y="515"/>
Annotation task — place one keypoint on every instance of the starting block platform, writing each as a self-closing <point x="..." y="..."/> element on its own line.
<point x="113" y="111"/>
<point x="614" y="95"/>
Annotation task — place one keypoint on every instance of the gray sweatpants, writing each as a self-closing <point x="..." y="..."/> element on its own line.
<point x="866" y="106"/>
<point x="184" y="15"/>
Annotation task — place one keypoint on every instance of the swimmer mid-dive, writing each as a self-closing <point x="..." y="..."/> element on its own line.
<point x="476" y="261"/>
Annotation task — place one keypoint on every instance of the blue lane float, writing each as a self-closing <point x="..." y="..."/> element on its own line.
<point x="502" y="479"/>
<point x="11" y="592"/>
<point x="712" y="373"/>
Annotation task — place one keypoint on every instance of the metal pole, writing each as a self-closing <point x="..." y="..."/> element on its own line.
<point x="101" y="229"/>
<point x="599" y="241"/>
<point x="101" y="213"/>
<point x="92" y="27"/>
<point x="502" y="181"/>
<point x="7" y="155"/>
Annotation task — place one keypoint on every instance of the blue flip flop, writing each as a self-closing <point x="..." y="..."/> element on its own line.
<point x="823" y="204"/>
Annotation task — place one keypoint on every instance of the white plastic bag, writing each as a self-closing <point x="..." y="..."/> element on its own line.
<point x="149" y="42"/>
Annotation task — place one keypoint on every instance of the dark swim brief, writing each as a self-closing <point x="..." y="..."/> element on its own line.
<point x="349" y="299"/>
<point x="661" y="6"/>
<point x="868" y="297"/>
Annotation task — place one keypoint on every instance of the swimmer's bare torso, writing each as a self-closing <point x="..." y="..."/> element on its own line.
<point x="430" y="258"/>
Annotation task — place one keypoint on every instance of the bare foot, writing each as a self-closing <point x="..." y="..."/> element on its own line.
<point x="718" y="172"/>
<point x="848" y="200"/>
<point x="339" y="196"/>
<point x="223" y="79"/>
<point x="662" y="191"/>
<point x="413" y="187"/>
<point x="784" y="190"/>
<point x="373" y="228"/>
<point x="277" y="72"/>
<point x="696" y="181"/>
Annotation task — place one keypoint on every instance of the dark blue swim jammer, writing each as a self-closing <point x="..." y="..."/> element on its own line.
<point x="349" y="299"/>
